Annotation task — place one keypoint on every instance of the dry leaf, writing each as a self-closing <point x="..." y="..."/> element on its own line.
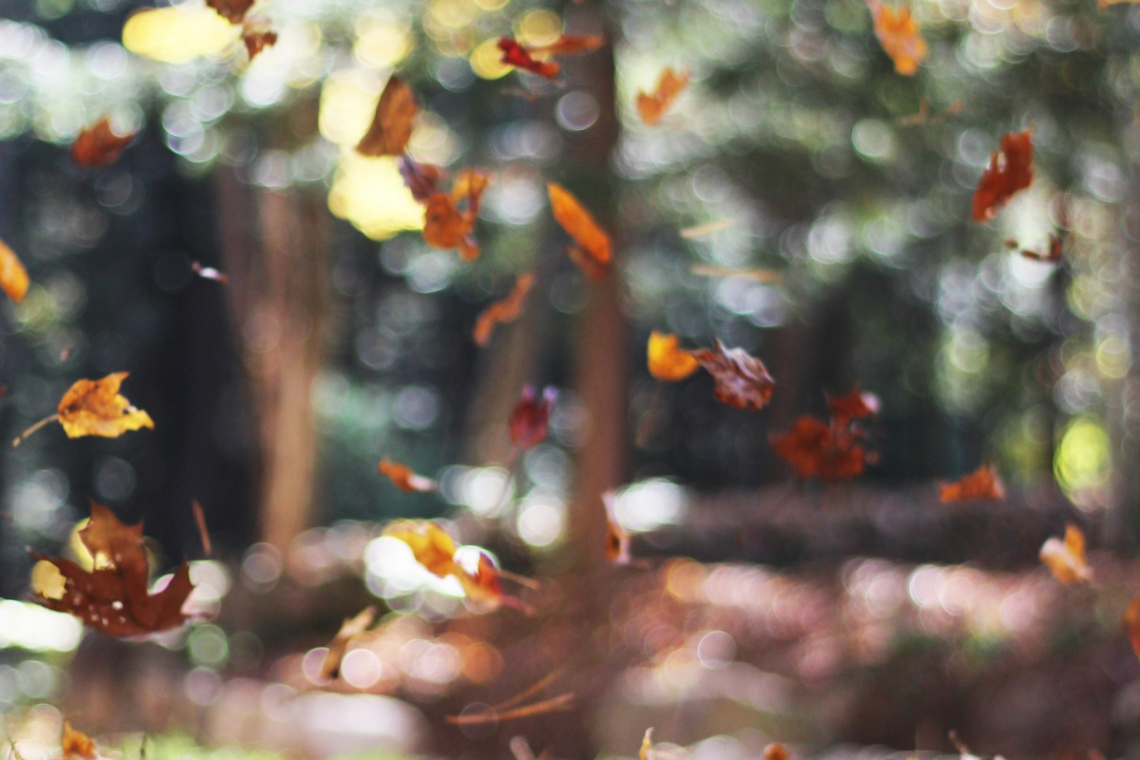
<point x="481" y="580"/>
<point x="98" y="146"/>
<point x="94" y="407"/>
<point x="646" y="745"/>
<point x="1132" y="624"/>
<point x="742" y="381"/>
<point x="431" y="545"/>
<point x="983" y="483"/>
<point x="1066" y="559"/>
<point x="617" y="539"/>
<point x="593" y="245"/>
<point x="231" y="10"/>
<point x="507" y="310"/>
<point x="1010" y="170"/>
<point x="257" y="39"/>
<point x="652" y="106"/>
<point x="421" y="179"/>
<point x="667" y="360"/>
<point x="1053" y="255"/>
<point x="391" y="127"/>
<point x="775" y="752"/>
<point x="112" y="598"/>
<point x="570" y="44"/>
<point x="851" y="406"/>
<point x="518" y="56"/>
<point x="691" y="233"/>
<point x="352" y="628"/>
<point x="76" y="744"/>
<point x="899" y="35"/>
<point x="814" y="449"/>
<point x="760" y="275"/>
<point x="405" y="478"/>
<point x="13" y="277"/>
<point x="530" y="417"/>
<point x="449" y="220"/>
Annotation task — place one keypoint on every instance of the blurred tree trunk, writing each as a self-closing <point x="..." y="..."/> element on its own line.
<point x="273" y="247"/>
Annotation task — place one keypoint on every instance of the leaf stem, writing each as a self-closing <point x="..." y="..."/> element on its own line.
<point x="34" y="428"/>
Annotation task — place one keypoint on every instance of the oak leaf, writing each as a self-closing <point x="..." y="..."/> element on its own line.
<point x="13" y="277"/>
<point x="76" y="744"/>
<point x="652" y="106"/>
<point x="507" y="310"/>
<point x="742" y="381"/>
<point x="231" y="10"/>
<point x="815" y="449"/>
<point x="667" y="360"/>
<point x="518" y="56"/>
<point x="98" y="146"/>
<point x="530" y="418"/>
<point x="1066" y="559"/>
<point x="113" y="597"/>
<point x="594" y="250"/>
<point x="900" y="36"/>
<point x="405" y="478"/>
<point x="351" y="629"/>
<point x="391" y="127"/>
<point x="1010" y="170"/>
<point x="983" y="483"/>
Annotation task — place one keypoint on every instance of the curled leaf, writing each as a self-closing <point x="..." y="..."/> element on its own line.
<point x="900" y="36"/>
<point x="529" y="419"/>
<point x="98" y="146"/>
<point x="231" y="10"/>
<point x="983" y="483"/>
<point x="506" y="310"/>
<point x="594" y="250"/>
<point x="518" y="56"/>
<point x="1010" y="170"/>
<point x="652" y="106"/>
<point x="814" y="449"/>
<point x="13" y="277"/>
<point x="667" y="360"/>
<point x="351" y="629"/>
<point x="1066" y="559"/>
<point x="391" y="127"/>
<point x="742" y="381"/>
<point x="404" y="478"/>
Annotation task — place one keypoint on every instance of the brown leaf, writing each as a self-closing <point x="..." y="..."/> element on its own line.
<point x="853" y="405"/>
<point x="391" y="127"/>
<point x="257" y="39"/>
<point x="775" y="752"/>
<point x="593" y="245"/>
<point x="1010" y="170"/>
<point x="667" y="360"/>
<point x="98" y="146"/>
<point x="113" y="597"/>
<point x="421" y="179"/>
<point x="76" y="744"/>
<point x="350" y="630"/>
<point x="814" y="449"/>
<point x="507" y="310"/>
<point x="983" y="483"/>
<point x="1066" y="559"/>
<point x="528" y="421"/>
<point x="900" y="37"/>
<point x="652" y="106"/>
<point x="1132" y="624"/>
<point x="449" y="220"/>
<point x="231" y="10"/>
<point x="13" y="277"/>
<point x="404" y="477"/>
<point x="617" y="539"/>
<point x="742" y="381"/>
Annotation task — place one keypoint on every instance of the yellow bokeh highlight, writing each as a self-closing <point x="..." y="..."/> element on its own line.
<point x="370" y="193"/>
<point x="1084" y="458"/>
<point x="1113" y="358"/>
<point x="381" y="43"/>
<point x="538" y="27"/>
<point x="486" y="61"/>
<point x="491" y="5"/>
<point x="348" y="103"/>
<point x="178" y="34"/>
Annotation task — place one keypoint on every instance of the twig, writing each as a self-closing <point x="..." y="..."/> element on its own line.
<point x="705" y="229"/>
<point x="200" y="519"/>
<point x="528" y="693"/>
<point x="561" y="702"/>
<point x="45" y="421"/>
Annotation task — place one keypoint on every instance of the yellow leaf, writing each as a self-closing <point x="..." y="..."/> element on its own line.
<point x="13" y="276"/>
<point x="47" y="580"/>
<point x="1066" y="560"/>
<point x="94" y="407"/>
<point x="667" y="360"/>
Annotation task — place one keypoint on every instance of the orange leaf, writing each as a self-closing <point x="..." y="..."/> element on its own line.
<point x="405" y="478"/>
<point x="528" y="421"/>
<point x="1056" y="250"/>
<point x="983" y="483"/>
<point x="1066" y="559"/>
<point x="617" y="540"/>
<point x="899" y="35"/>
<point x="114" y="597"/>
<point x="570" y="44"/>
<point x="257" y="39"/>
<point x="391" y="127"/>
<point x="76" y="744"/>
<point x="481" y="582"/>
<point x="667" y="360"/>
<point x="852" y="405"/>
<point x="351" y="629"/>
<point x="646" y="745"/>
<point x="594" y="245"/>
<point x="430" y="545"/>
<point x="653" y="106"/>
<point x="742" y="381"/>
<point x="506" y="310"/>
<point x="98" y="146"/>
<point x="1010" y="170"/>
<point x="421" y="179"/>
<point x="13" y="277"/>
<point x="814" y="449"/>
<point x="231" y="10"/>
<point x="94" y="407"/>
<point x="775" y="752"/>
<point x="448" y="226"/>
<point x="516" y="55"/>
<point x="203" y="532"/>
<point x="1132" y="624"/>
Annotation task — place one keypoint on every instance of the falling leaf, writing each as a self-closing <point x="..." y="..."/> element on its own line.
<point x="617" y="539"/>
<point x="530" y="417"/>
<point x="983" y="483"/>
<point x="1132" y="624"/>
<point x="506" y="310"/>
<point x="430" y="544"/>
<point x="899" y="35"/>
<point x="94" y="407"/>
<point x="405" y="478"/>
<point x="691" y="233"/>
<point x="1066" y="559"/>
<point x="98" y="146"/>
<point x="761" y="275"/>
<point x="231" y="10"/>
<point x="480" y="581"/>
<point x="742" y="381"/>
<point x="13" y="276"/>
<point x="421" y="179"/>
<point x="257" y="39"/>
<point x="853" y="405"/>
<point x="815" y="449"/>
<point x="1010" y="170"/>
<point x="351" y="629"/>
<point x="76" y="744"/>
<point x="1053" y="255"/>
<point x="391" y="127"/>
<point x="652" y="106"/>
<point x="200" y="521"/>
<point x="209" y="273"/>
<point x="775" y="752"/>
<point x="594" y="251"/>
<point x="667" y="360"/>
<point x="570" y="44"/>
<point x="449" y="219"/>
<point x="113" y="597"/>
<point x="518" y="56"/>
<point x="646" y="745"/>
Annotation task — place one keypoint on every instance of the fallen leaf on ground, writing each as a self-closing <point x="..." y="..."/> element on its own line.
<point x="983" y="483"/>
<point x="98" y="146"/>
<point x="231" y="10"/>
<point x="94" y="407"/>
<point x="1010" y="170"/>
<point x="13" y="277"/>
<point x="594" y="250"/>
<point x="667" y="360"/>
<point x="900" y="36"/>
<point x="391" y="127"/>
<point x="76" y="744"/>
<point x="518" y="56"/>
<point x="742" y="381"/>
<point x="1066" y="559"/>
<point x="529" y="419"/>
<point x="652" y="106"/>
<point x="507" y="310"/>
<point x="405" y="478"/>
<point x="350" y="629"/>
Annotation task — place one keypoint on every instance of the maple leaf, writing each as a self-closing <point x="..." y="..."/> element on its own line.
<point x="1010" y="170"/>
<point x="113" y="597"/>
<point x="76" y="744"/>
<point x="899" y="35"/>
<point x="98" y="146"/>
<point x="569" y="44"/>
<point x="594" y="250"/>
<point x="1066" y="559"/>
<point x="94" y="407"/>
<point x="446" y="224"/>
<point x="742" y="381"/>
<point x="667" y="360"/>
<point x="530" y="417"/>
<point x="652" y="106"/>
<point x="257" y="39"/>
<point x="13" y="277"/>
<point x="391" y="127"/>
<point x="507" y="310"/>
<point x="231" y="10"/>
<point x="983" y="483"/>
<point x="518" y="56"/>
<point x="1132" y="624"/>
<point x="853" y="405"/>
<point x="617" y="539"/>
<point x="404" y="477"/>
<point x="815" y="449"/>
<point x="351" y="629"/>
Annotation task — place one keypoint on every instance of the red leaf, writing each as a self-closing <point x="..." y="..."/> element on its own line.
<point x="742" y="381"/>
<point x="518" y="56"/>
<point x="1010" y="170"/>
<point x="98" y="146"/>
<point x="814" y="449"/>
<point x="529" y="418"/>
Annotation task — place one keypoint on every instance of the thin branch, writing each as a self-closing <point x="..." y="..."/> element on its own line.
<point x="34" y="428"/>
<point x="526" y="694"/>
<point x="561" y="702"/>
